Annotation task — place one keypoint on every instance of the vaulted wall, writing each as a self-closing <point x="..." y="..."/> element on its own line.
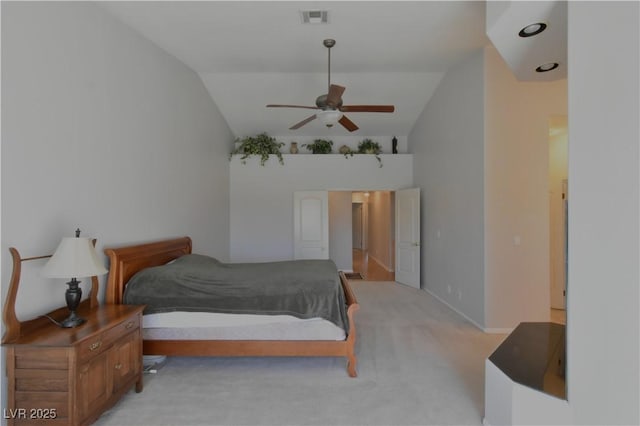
<point x="104" y="131"/>
<point x="481" y="159"/>
<point x="448" y="147"/>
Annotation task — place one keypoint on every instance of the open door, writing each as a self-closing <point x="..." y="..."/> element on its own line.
<point x="408" y="237"/>
<point x="311" y="224"/>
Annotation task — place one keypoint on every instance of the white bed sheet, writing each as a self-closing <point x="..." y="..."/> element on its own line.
<point x="219" y="326"/>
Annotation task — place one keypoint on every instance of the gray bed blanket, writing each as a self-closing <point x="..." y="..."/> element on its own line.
<point x="301" y="288"/>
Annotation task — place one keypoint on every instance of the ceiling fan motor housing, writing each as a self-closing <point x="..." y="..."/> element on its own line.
<point x="321" y="102"/>
<point x="329" y="43"/>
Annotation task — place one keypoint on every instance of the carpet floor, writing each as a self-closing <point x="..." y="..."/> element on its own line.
<point x="419" y="363"/>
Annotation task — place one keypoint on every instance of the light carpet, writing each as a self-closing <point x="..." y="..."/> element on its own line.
<point x="419" y="363"/>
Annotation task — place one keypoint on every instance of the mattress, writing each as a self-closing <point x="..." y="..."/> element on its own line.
<point x="305" y="289"/>
<point x="221" y="326"/>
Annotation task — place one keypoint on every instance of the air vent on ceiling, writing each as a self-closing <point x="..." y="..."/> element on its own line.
<point x="314" y="16"/>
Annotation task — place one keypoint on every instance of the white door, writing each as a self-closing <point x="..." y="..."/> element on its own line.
<point x="408" y="237"/>
<point x="311" y="224"/>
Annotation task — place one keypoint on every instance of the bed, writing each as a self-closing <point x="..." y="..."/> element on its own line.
<point x="169" y="331"/>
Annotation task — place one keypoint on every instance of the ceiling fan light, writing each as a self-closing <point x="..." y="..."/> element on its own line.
<point x="329" y="117"/>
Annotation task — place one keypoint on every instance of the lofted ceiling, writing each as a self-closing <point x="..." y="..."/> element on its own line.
<point x="253" y="53"/>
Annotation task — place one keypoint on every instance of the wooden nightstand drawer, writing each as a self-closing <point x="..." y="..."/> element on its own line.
<point x="103" y="341"/>
<point x="127" y="326"/>
<point x="93" y="346"/>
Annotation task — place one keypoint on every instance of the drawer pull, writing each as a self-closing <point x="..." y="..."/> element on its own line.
<point x="118" y="366"/>
<point x="95" y="345"/>
<point x="129" y="325"/>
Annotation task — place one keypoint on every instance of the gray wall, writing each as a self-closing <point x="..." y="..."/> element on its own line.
<point x="481" y="152"/>
<point x="603" y="294"/>
<point x="447" y="142"/>
<point x="104" y="131"/>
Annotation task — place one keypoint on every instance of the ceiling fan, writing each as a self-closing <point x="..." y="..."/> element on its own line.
<point x="330" y="104"/>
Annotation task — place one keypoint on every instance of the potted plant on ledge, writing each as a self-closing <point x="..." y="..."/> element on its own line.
<point x="262" y="145"/>
<point x="320" y="146"/>
<point x="367" y="146"/>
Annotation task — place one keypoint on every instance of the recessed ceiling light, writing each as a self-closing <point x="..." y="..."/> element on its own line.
<point x="549" y="66"/>
<point x="532" y="29"/>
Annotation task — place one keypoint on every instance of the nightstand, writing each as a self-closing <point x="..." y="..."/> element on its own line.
<point x="70" y="376"/>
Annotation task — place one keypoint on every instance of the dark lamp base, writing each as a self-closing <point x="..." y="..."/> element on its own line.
<point x="73" y="296"/>
<point x="72" y="321"/>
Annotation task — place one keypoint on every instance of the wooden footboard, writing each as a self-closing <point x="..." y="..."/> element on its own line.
<point x="126" y="261"/>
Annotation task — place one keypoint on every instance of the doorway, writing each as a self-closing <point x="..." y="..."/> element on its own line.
<point x="373" y="232"/>
<point x="385" y="246"/>
<point x="558" y="202"/>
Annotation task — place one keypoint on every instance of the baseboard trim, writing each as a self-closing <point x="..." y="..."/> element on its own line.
<point x="488" y="330"/>
<point x="457" y="311"/>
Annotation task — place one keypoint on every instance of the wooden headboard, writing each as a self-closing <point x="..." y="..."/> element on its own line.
<point x="124" y="262"/>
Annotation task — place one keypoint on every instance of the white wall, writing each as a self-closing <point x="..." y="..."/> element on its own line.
<point x="517" y="114"/>
<point x="448" y="146"/>
<point x="510" y="403"/>
<point x="603" y="295"/>
<point x="261" y="197"/>
<point x="104" y="131"/>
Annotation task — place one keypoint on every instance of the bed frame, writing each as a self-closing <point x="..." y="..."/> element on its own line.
<point x="126" y="261"/>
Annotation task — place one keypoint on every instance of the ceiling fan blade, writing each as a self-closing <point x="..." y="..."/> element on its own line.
<point x="303" y="122"/>
<point x="335" y="95"/>
<point x="291" y="106"/>
<point x="367" y="108"/>
<point x="348" y="124"/>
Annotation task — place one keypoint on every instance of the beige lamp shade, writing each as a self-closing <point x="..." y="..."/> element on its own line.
<point x="74" y="258"/>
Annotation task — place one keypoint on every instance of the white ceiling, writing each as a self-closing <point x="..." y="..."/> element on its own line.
<point x="252" y="53"/>
<point x="524" y="55"/>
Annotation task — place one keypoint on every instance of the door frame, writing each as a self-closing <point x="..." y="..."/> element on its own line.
<point x="408" y="245"/>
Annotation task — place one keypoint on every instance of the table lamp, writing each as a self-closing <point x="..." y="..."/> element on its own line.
<point x="76" y="258"/>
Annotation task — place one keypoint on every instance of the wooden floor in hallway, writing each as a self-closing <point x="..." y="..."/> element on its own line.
<point x="369" y="268"/>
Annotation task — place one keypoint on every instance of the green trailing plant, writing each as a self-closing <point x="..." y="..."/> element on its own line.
<point x="367" y="146"/>
<point x="319" y="146"/>
<point x="262" y="145"/>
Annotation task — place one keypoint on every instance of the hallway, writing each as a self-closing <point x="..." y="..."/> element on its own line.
<point x="369" y="268"/>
